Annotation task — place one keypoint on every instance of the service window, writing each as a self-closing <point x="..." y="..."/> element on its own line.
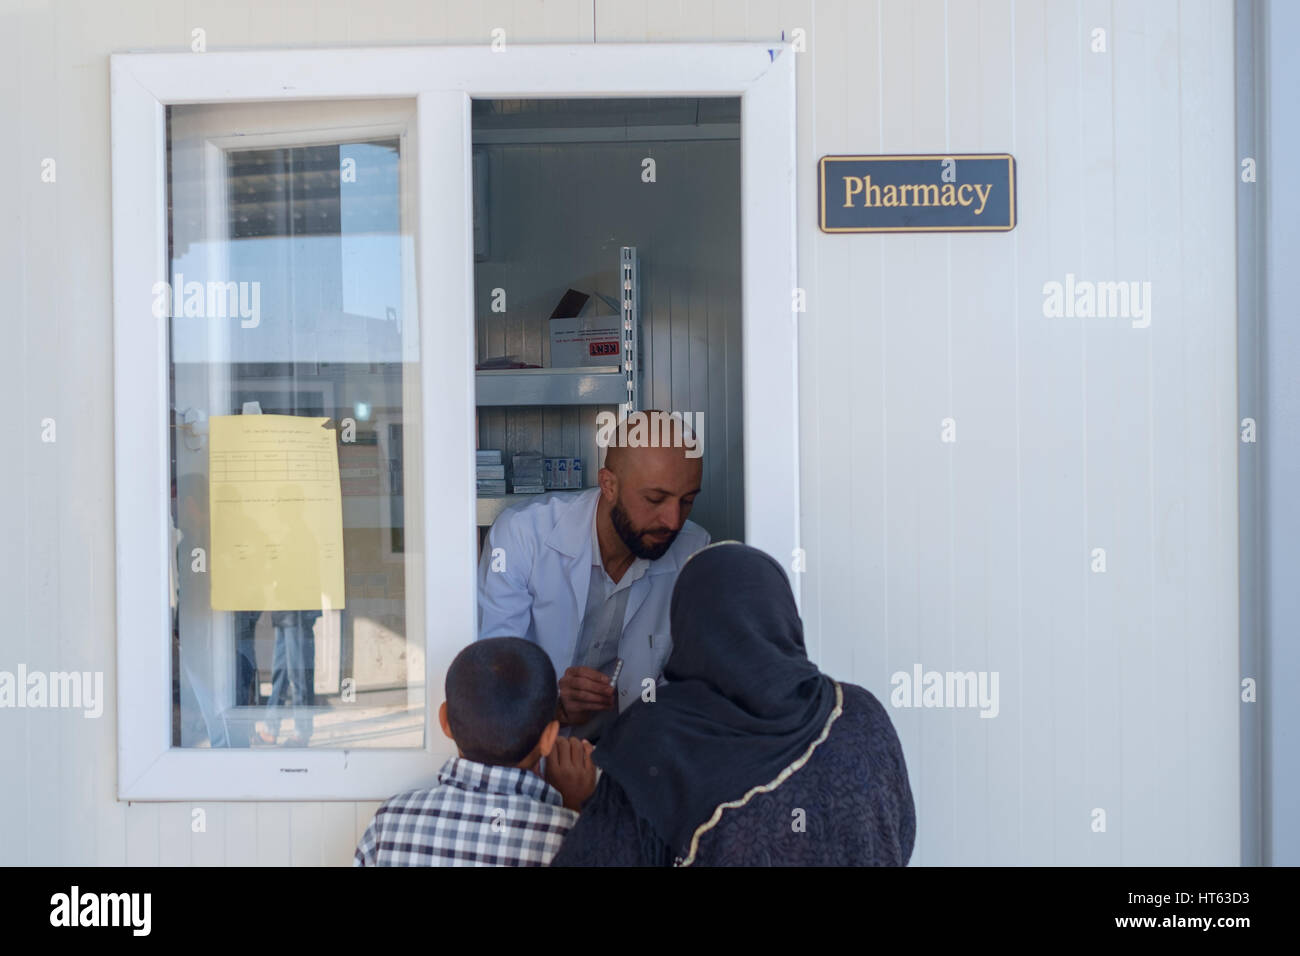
<point x="294" y="391"/>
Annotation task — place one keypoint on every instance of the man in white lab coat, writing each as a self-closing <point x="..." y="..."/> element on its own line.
<point x="589" y="576"/>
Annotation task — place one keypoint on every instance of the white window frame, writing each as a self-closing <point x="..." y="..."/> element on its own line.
<point x="442" y="80"/>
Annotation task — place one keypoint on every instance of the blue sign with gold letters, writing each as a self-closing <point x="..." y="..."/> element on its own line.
<point x="940" y="193"/>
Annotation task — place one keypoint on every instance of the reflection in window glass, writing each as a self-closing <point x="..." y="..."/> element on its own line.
<point x="297" y="619"/>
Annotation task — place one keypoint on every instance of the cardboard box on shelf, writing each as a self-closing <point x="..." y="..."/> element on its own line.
<point x="563" y="473"/>
<point x="584" y="341"/>
<point x="528" y="479"/>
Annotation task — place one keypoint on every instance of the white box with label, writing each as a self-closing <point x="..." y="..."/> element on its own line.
<point x="586" y="341"/>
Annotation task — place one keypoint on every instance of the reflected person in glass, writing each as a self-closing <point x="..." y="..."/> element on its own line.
<point x="293" y="675"/>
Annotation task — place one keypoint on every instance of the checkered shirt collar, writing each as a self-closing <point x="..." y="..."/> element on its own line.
<point x="475" y="777"/>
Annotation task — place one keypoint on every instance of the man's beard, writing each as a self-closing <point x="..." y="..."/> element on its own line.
<point x="636" y="540"/>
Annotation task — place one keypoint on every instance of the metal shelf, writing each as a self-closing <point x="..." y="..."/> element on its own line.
<point x="618" y="384"/>
<point x="552" y="386"/>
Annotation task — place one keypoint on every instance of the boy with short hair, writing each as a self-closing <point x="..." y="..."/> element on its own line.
<point x="490" y="807"/>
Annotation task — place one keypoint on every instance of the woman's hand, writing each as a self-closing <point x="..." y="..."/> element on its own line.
<point x="570" y="770"/>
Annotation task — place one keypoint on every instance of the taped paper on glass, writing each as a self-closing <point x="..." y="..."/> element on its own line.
<point x="277" y="515"/>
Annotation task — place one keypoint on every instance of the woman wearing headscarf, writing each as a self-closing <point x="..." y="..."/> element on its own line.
<point x="749" y="755"/>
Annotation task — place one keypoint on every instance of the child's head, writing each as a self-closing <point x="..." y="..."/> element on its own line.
<point x="500" y="706"/>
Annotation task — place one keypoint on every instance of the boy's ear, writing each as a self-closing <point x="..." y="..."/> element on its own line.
<point x="442" y="719"/>
<point x="546" y="743"/>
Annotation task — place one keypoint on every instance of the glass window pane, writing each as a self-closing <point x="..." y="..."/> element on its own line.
<point x="297" y="609"/>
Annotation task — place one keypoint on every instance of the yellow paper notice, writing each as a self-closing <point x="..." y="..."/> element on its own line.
<point x="277" y="518"/>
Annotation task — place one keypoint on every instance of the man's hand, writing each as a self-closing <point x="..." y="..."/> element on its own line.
<point x="569" y="769"/>
<point x="584" y="692"/>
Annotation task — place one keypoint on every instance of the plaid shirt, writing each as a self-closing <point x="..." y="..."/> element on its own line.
<point x="478" y="815"/>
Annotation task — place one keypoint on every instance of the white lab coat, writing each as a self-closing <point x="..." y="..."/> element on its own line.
<point x="540" y="591"/>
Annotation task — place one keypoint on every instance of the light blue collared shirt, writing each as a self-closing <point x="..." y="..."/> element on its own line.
<point x="602" y="624"/>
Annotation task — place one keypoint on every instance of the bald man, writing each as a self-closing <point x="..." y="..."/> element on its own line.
<point x="589" y="576"/>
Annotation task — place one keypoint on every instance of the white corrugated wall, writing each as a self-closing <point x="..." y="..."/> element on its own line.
<point x="1117" y="690"/>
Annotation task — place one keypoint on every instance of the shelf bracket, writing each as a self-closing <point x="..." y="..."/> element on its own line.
<point x="630" y="310"/>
